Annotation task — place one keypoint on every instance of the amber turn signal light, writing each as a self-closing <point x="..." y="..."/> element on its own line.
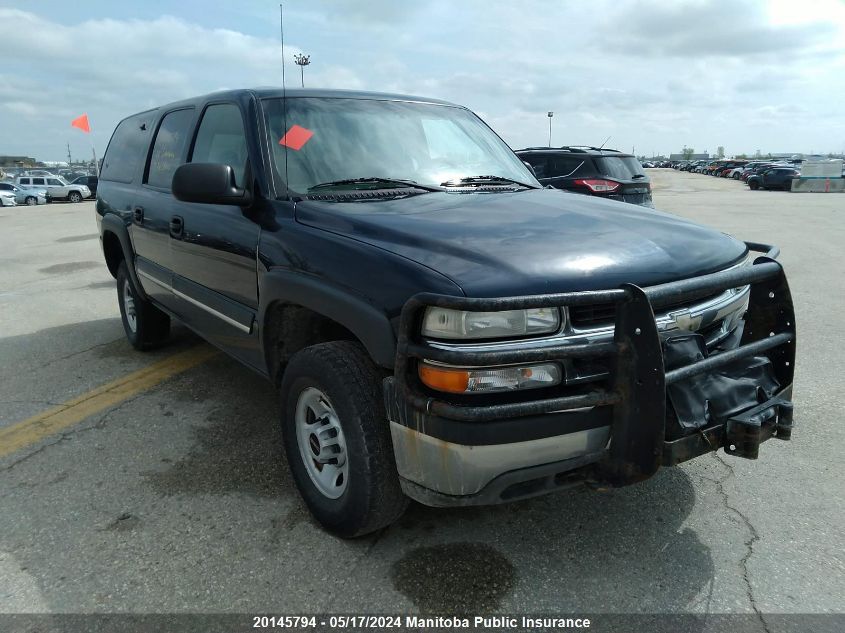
<point x="444" y="379"/>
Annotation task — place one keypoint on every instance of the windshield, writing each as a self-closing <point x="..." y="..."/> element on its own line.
<point x="326" y="140"/>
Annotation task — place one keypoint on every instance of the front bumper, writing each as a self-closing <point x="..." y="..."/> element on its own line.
<point x="453" y="452"/>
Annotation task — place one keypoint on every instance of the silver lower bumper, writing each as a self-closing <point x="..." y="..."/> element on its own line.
<point x="452" y="469"/>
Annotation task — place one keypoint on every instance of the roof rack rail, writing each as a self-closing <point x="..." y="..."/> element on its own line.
<point x="583" y="149"/>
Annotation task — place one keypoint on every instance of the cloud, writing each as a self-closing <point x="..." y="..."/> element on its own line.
<point x="651" y="73"/>
<point x="112" y="68"/>
<point x="708" y="28"/>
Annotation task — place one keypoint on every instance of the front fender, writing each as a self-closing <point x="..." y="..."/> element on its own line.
<point x="369" y="324"/>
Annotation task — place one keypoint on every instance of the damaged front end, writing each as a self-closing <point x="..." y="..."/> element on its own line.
<point x="660" y="386"/>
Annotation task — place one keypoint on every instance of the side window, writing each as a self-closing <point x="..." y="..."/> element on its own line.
<point x="127" y="148"/>
<point x="221" y="139"/>
<point x="25" y="181"/>
<point x="38" y="181"/>
<point x="55" y="182"/>
<point x="168" y="148"/>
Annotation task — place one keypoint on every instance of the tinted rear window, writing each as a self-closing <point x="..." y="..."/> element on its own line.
<point x="569" y="166"/>
<point x="624" y="167"/>
<point x="127" y="148"/>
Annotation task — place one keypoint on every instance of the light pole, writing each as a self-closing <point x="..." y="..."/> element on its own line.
<point x="302" y="61"/>
<point x="550" y="115"/>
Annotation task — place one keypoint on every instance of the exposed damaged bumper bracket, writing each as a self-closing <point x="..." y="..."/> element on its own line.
<point x="744" y="432"/>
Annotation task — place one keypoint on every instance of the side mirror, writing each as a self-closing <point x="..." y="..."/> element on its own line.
<point x="208" y="183"/>
<point x="530" y="168"/>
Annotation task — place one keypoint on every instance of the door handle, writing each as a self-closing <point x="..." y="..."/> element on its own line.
<point x="177" y="227"/>
<point x="138" y="214"/>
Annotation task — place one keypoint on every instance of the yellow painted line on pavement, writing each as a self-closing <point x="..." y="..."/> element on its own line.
<point x="28" y="432"/>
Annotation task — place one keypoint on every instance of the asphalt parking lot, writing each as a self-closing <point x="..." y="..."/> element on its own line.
<point x="168" y="492"/>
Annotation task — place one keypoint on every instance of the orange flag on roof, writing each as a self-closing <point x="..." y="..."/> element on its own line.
<point x="82" y="123"/>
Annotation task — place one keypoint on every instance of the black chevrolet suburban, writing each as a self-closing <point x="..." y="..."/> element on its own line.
<point x="439" y="326"/>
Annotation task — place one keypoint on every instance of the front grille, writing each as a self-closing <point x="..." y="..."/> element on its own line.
<point x="604" y="314"/>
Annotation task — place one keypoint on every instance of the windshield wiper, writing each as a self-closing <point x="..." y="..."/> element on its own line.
<point x="374" y="183"/>
<point x="635" y="176"/>
<point x="484" y="180"/>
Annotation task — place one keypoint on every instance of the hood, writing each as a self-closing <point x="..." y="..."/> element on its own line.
<point x="527" y="242"/>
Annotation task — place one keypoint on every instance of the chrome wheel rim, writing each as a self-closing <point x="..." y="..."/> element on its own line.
<point x="129" y="307"/>
<point x="322" y="445"/>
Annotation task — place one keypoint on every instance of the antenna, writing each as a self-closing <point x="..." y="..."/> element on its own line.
<point x="284" y="91"/>
<point x="605" y="141"/>
<point x="282" y="37"/>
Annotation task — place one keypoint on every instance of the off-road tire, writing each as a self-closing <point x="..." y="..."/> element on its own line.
<point x="344" y="372"/>
<point x="152" y="326"/>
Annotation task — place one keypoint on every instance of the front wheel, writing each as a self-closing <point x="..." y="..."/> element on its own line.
<point x="754" y="185"/>
<point x="31" y="201"/>
<point x="337" y="439"/>
<point x="145" y="325"/>
<point x="75" y="196"/>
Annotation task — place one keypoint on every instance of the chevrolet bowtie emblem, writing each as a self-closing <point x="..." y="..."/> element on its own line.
<point x="683" y="320"/>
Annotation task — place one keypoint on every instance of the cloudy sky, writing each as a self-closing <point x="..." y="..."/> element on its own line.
<point x="652" y="75"/>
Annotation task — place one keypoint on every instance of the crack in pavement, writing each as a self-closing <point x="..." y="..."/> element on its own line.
<point x="67" y="435"/>
<point x="749" y="543"/>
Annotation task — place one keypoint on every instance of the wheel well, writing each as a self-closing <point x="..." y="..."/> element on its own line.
<point x="289" y="328"/>
<point x="113" y="252"/>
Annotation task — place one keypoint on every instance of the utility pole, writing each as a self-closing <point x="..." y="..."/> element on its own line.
<point x="550" y="115"/>
<point x="68" y="155"/>
<point x="302" y="61"/>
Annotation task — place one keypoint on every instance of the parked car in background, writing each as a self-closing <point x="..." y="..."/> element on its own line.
<point x="7" y="199"/>
<point x="57" y="188"/>
<point x="590" y="170"/>
<point x="25" y="195"/>
<point x="774" y="178"/>
<point x="88" y="181"/>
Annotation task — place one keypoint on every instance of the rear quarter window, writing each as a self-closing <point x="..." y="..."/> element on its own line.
<point x="127" y="148"/>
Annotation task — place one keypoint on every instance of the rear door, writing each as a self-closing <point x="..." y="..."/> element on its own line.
<point x="214" y="252"/>
<point x="153" y="206"/>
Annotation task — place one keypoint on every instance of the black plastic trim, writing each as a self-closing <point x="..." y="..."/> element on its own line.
<point x="114" y="224"/>
<point x="370" y="325"/>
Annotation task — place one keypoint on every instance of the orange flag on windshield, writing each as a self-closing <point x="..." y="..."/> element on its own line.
<point x="82" y="123"/>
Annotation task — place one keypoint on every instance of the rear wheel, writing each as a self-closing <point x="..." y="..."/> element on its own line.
<point x="74" y="196"/>
<point x="337" y="439"/>
<point x="145" y="325"/>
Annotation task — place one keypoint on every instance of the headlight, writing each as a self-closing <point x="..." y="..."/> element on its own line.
<point x="458" y="324"/>
<point x="489" y="379"/>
